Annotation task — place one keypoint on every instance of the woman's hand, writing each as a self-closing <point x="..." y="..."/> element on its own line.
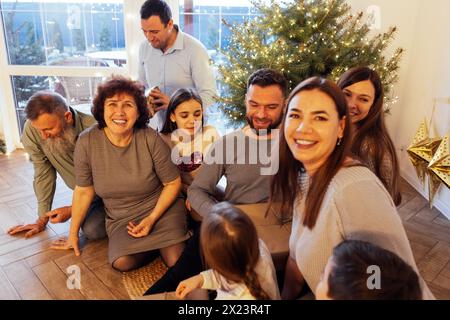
<point x="188" y="205"/>
<point x="142" y="229"/>
<point x="67" y="243"/>
<point x="188" y="285"/>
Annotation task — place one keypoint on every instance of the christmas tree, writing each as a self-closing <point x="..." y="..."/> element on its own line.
<point x="301" y="38"/>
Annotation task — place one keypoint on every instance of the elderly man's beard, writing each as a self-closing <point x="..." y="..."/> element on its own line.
<point x="64" y="143"/>
<point x="261" y="132"/>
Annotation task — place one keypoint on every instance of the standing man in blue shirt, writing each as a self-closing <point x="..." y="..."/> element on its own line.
<point x="171" y="59"/>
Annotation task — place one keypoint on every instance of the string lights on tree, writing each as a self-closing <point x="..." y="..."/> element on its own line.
<point x="302" y="39"/>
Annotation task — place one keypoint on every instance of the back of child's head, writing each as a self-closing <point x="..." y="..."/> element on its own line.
<point x="230" y="246"/>
<point x="354" y="270"/>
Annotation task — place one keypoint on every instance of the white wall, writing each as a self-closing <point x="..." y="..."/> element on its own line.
<point x="424" y="31"/>
<point x="1" y="125"/>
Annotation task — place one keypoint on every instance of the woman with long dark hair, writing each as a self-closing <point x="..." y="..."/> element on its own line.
<point x="364" y="93"/>
<point x="331" y="196"/>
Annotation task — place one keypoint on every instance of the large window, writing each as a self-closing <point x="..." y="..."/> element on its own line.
<point x="69" y="46"/>
<point x="61" y="34"/>
<point x="205" y="20"/>
<point x="50" y="32"/>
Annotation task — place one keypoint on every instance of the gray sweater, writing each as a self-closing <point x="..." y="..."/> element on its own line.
<point x="243" y="160"/>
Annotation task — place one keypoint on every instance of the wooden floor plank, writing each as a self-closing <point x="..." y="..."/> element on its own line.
<point x="439" y="292"/>
<point x="23" y="242"/>
<point x="409" y="209"/>
<point x="91" y="287"/>
<point x="442" y="221"/>
<point x="420" y="237"/>
<point x="26" y="282"/>
<point x="427" y="214"/>
<point x="46" y="256"/>
<point x="113" y="280"/>
<point x="419" y="251"/>
<point x="7" y="291"/>
<point x="24" y="212"/>
<point x="60" y="228"/>
<point x="55" y="281"/>
<point x="26" y="252"/>
<point x="95" y="254"/>
<point x="431" y="230"/>
<point x="8" y="219"/>
<point x="434" y="262"/>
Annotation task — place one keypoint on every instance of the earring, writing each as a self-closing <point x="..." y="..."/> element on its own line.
<point x="339" y="141"/>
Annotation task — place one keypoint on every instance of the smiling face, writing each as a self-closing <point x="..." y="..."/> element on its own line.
<point x="187" y="115"/>
<point x="312" y="128"/>
<point x="158" y="35"/>
<point x="360" y="97"/>
<point x="264" y="106"/>
<point x="120" y="114"/>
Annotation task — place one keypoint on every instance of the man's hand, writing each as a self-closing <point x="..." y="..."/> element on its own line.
<point x="160" y="100"/>
<point x="32" y="228"/>
<point x="59" y="215"/>
<point x="72" y="242"/>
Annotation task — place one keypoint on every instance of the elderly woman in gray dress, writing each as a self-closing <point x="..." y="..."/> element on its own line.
<point x="128" y="166"/>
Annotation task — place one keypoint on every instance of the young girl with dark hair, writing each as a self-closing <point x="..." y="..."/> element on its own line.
<point x="184" y="132"/>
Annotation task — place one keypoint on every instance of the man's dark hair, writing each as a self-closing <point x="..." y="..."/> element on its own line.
<point x="268" y="77"/>
<point x="156" y="8"/>
<point x="45" y="102"/>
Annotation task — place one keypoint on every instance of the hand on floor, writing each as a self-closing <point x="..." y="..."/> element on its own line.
<point x="66" y="244"/>
<point x="32" y="228"/>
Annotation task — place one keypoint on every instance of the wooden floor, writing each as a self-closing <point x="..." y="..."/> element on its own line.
<point x="29" y="269"/>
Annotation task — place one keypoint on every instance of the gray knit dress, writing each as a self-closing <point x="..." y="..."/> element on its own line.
<point x="130" y="180"/>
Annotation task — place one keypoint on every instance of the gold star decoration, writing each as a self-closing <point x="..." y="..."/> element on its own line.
<point x="421" y="151"/>
<point x="439" y="168"/>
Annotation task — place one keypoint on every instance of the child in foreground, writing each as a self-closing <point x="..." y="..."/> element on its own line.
<point x="241" y="266"/>
<point x="359" y="270"/>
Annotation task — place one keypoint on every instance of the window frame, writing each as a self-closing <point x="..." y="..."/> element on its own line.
<point x="133" y="38"/>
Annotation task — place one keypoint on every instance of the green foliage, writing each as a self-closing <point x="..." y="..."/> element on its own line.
<point x="301" y="38"/>
<point x="2" y="146"/>
<point x="79" y="41"/>
<point x="105" y="39"/>
<point x="57" y="39"/>
<point x="26" y="52"/>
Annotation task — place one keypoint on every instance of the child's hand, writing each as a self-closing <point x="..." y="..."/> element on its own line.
<point x="186" y="286"/>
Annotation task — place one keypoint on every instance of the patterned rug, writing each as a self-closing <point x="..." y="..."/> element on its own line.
<point x="138" y="281"/>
